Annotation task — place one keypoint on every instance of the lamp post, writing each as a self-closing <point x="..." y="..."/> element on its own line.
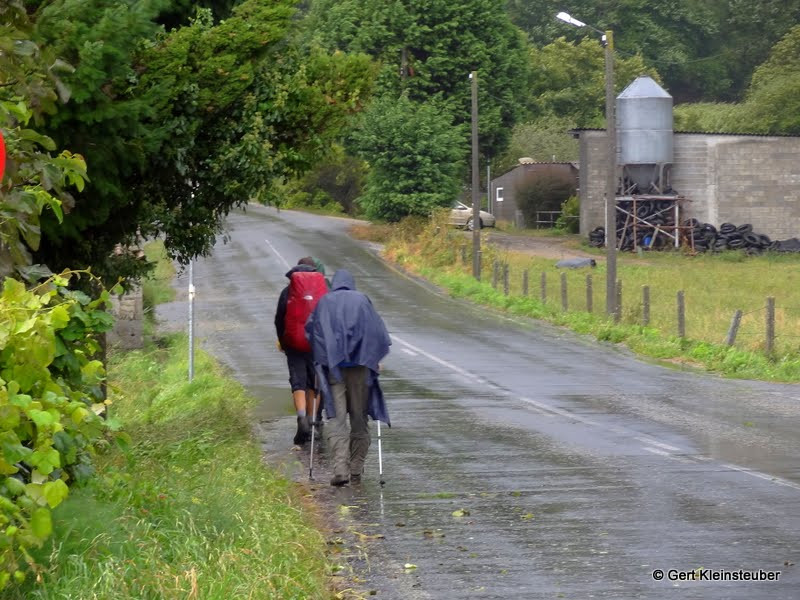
<point x="476" y="202"/>
<point x="611" y="174"/>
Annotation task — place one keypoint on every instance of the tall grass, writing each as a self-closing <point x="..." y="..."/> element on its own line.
<point x="190" y="511"/>
<point x="714" y="286"/>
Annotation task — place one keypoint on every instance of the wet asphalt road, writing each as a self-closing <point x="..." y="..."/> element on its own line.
<point x="580" y="469"/>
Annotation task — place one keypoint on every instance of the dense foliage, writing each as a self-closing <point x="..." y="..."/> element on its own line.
<point x="50" y="402"/>
<point x="182" y="126"/>
<point x="567" y="90"/>
<point x="569" y="80"/>
<point x="333" y="185"/>
<point x="544" y="140"/>
<point x="542" y="193"/>
<point x="35" y="179"/>
<point x="427" y="50"/>
<point x="414" y="153"/>
<point x="772" y="102"/>
<point x="704" y="50"/>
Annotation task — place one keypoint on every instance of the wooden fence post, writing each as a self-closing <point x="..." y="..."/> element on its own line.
<point x="564" y="291"/>
<point x="734" y="328"/>
<point x="544" y="287"/>
<point x="463" y="255"/>
<point x="770" y="341"/>
<point x="505" y="279"/>
<point x="681" y="315"/>
<point x="589" y="294"/>
<point x="525" y="283"/>
<point x="495" y="273"/>
<point x="645" y="305"/>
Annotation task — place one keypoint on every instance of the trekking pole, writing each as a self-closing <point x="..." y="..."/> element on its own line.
<point x="380" y="456"/>
<point x="313" y="430"/>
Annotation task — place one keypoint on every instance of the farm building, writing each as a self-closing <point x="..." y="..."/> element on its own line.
<point x="504" y="189"/>
<point x="735" y="178"/>
<point x="738" y="178"/>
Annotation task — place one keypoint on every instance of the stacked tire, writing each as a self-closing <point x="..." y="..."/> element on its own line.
<point x="656" y="213"/>
<point x="597" y="237"/>
<point x="707" y="238"/>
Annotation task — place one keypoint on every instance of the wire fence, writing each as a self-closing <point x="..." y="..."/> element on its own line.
<point x="752" y="327"/>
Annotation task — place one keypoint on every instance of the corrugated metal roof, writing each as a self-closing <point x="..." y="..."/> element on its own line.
<point x="791" y="135"/>
<point x="574" y="164"/>
<point x="530" y="161"/>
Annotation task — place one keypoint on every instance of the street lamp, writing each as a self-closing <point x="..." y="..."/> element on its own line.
<point x="611" y="174"/>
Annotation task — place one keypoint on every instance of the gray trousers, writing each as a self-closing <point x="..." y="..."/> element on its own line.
<point x="349" y="442"/>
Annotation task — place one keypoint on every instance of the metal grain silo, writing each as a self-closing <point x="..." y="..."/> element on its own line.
<point x="644" y="126"/>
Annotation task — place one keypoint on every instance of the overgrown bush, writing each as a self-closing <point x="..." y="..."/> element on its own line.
<point x="415" y="156"/>
<point x="51" y="402"/>
<point x="539" y="192"/>
<point x="569" y="219"/>
<point x="341" y="180"/>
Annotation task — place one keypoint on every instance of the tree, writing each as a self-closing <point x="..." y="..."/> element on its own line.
<point x="704" y="50"/>
<point x="34" y="180"/>
<point x="773" y="98"/>
<point x="546" y="139"/>
<point x="336" y="182"/>
<point x="107" y="122"/>
<point x="414" y="153"/>
<point x="428" y="50"/>
<point x="569" y="80"/>
<point x="180" y="127"/>
<point x="751" y="30"/>
<point x="772" y="103"/>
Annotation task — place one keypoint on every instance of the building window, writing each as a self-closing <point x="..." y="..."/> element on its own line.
<point x="499" y="195"/>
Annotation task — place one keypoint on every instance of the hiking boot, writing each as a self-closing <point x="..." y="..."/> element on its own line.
<point x="339" y="480"/>
<point x="303" y="431"/>
<point x="355" y="477"/>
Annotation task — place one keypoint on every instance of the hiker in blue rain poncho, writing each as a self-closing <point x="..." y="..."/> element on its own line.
<point x="348" y="340"/>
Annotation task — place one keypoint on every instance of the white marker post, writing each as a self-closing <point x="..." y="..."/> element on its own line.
<point x="191" y="321"/>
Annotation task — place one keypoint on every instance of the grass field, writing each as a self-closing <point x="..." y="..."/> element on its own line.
<point x="714" y="287"/>
<point x="190" y="510"/>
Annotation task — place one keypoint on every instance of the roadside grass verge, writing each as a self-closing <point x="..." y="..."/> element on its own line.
<point x="714" y="286"/>
<point x="511" y="229"/>
<point x="190" y="510"/>
<point x="371" y="232"/>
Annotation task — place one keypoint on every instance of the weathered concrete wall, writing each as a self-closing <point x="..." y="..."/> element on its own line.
<point x="128" y="311"/>
<point x="734" y="178"/>
<point x="592" y="180"/>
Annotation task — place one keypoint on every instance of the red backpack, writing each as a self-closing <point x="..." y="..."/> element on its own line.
<point x="305" y="290"/>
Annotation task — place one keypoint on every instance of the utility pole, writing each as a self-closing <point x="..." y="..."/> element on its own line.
<point x="476" y="203"/>
<point x="611" y="179"/>
<point x="489" y="206"/>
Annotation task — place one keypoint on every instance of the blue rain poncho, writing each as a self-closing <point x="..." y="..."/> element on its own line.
<point x="346" y="330"/>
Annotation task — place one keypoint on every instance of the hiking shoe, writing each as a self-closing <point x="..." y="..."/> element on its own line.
<point x="339" y="480"/>
<point x="303" y="431"/>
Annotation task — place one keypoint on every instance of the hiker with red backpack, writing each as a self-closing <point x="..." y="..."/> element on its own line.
<point x="297" y="301"/>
